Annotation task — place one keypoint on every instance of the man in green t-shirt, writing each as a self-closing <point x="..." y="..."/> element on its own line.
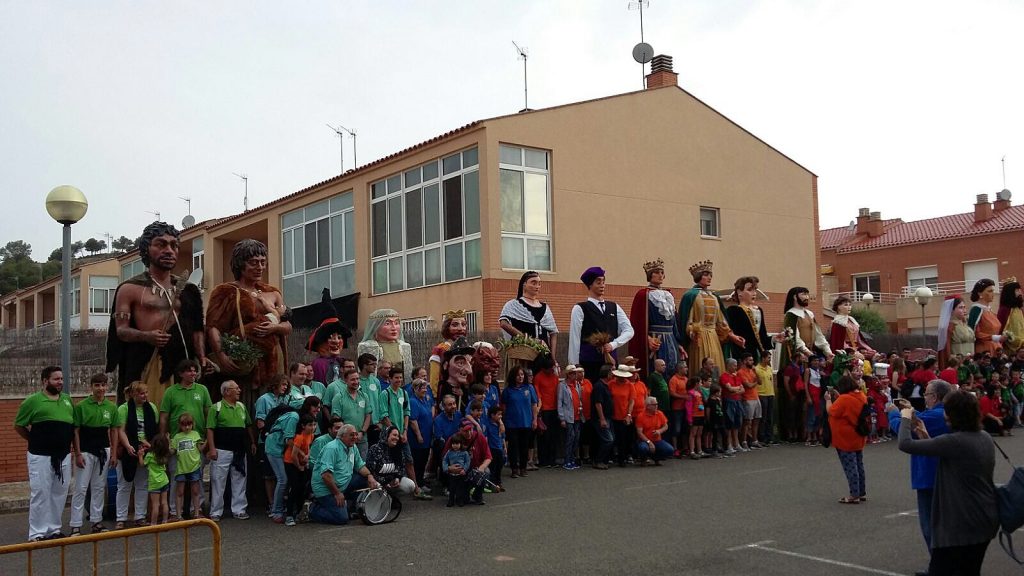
<point x="95" y="434"/>
<point x="46" y="420"/>
<point x="229" y="437"/>
<point x="339" y="472"/>
<point x="186" y="395"/>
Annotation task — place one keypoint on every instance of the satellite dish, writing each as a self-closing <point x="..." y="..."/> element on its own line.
<point x="1004" y="194"/>
<point x="852" y="226"/>
<point x="188" y="221"/>
<point x="196" y="277"/>
<point x="643" y="53"/>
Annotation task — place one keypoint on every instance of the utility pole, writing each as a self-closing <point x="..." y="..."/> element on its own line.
<point x="245" y="179"/>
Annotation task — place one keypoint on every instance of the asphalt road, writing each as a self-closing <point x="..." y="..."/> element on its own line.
<point x="769" y="512"/>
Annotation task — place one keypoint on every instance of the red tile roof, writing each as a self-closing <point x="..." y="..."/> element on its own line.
<point x="898" y="233"/>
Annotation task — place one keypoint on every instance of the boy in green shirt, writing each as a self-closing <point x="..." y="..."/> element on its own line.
<point x="95" y="434"/>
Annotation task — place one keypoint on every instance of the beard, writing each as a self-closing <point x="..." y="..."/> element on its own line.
<point x="803" y="302"/>
<point x="53" y="390"/>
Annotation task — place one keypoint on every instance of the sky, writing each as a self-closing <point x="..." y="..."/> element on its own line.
<point x="904" y="107"/>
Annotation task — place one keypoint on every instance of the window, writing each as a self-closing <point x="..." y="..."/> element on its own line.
<point x="471" y="326"/>
<point x="415" y="325"/>
<point x="709" y="222"/>
<point x="425" y="224"/>
<point x="525" y="208"/>
<point x="198" y="256"/>
<point x="318" y="250"/>
<point x="922" y="276"/>
<point x="131" y="269"/>
<point x="101" y="294"/>
<point x="866" y="283"/>
<point x="76" y="295"/>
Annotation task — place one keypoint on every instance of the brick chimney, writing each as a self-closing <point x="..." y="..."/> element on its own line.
<point x="874" y="224"/>
<point x="661" y="73"/>
<point x="1002" y="201"/>
<point x="982" y="209"/>
<point x="862" y="220"/>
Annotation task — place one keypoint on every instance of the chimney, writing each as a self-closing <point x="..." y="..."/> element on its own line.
<point x="862" y="220"/>
<point x="874" y="224"/>
<point x="1002" y="201"/>
<point x="982" y="209"/>
<point x="661" y="73"/>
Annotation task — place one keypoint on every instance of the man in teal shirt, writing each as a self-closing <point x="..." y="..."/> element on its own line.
<point x="369" y="384"/>
<point x="353" y="407"/>
<point x="339" y="473"/>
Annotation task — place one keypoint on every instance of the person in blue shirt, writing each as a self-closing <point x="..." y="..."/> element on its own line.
<point x="495" y="432"/>
<point x="492" y="397"/>
<point x="419" y="373"/>
<point x="421" y="427"/>
<point x="520" y="404"/>
<point x="455" y="464"/>
<point x="923" y="468"/>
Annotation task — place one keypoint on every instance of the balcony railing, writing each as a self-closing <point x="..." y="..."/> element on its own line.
<point x="939" y="289"/>
<point x="878" y="297"/>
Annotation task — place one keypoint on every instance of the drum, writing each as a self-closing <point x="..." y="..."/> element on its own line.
<point x="378" y="507"/>
<point x="475" y="477"/>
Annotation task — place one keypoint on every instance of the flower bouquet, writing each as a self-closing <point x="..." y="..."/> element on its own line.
<point x="522" y="347"/>
<point x="241" y="352"/>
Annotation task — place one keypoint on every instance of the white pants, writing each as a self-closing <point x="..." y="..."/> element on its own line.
<point x="93" y="476"/>
<point x="172" y="467"/>
<point x="48" y="496"/>
<point x="124" y="492"/>
<point x="219" y="470"/>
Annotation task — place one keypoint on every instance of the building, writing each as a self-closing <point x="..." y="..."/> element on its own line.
<point x="454" y="221"/>
<point x="93" y="282"/>
<point x="891" y="258"/>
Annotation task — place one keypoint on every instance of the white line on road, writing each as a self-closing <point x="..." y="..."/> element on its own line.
<point x="528" y="502"/>
<point x="656" y="485"/>
<point x="901" y="514"/>
<point x="141" y="558"/>
<point x="761" y="546"/>
<point x="760" y="471"/>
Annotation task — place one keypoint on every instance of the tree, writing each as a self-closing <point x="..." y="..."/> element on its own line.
<point x="18" y="273"/>
<point x="123" y="244"/>
<point x="56" y="256"/>
<point x="870" y="321"/>
<point x="92" y="245"/>
<point x="16" y="250"/>
<point x="76" y="247"/>
<point x="51" y="269"/>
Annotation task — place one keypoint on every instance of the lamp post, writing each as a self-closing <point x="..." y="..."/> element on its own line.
<point x="867" y="299"/>
<point x="67" y="205"/>
<point x="922" y="296"/>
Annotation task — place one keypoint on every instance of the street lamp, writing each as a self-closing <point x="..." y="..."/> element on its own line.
<point x="922" y="296"/>
<point x="67" y="205"/>
<point x="867" y="299"/>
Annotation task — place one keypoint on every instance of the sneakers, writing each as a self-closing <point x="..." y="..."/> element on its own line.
<point x="242" y="516"/>
<point x="744" y="448"/>
<point x="730" y="452"/>
<point x="694" y="456"/>
<point x="278" y="519"/>
<point x="290" y="521"/>
<point x="421" y="495"/>
<point x="215" y="518"/>
<point x="76" y="531"/>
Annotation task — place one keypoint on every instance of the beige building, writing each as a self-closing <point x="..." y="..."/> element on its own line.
<point x="92" y="295"/>
<point x="454" y="221"/>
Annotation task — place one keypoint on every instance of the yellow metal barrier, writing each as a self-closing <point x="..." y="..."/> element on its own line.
<point x="29" y="547"/>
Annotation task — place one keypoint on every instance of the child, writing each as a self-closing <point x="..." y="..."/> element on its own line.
<point x="479" y="392"/>
<point x="475" y="415"/>
<point x="715" y="420"/>
<point x="680" y="412"/>
<point x="155" y="458"/>
<point x="496" y="442"/>
<point x="296" y="460"/>
<point x="695" y="416"/>
<point x="187" y="444"/>
<point x="812" y="399"/>
<point x="455" y="463"/>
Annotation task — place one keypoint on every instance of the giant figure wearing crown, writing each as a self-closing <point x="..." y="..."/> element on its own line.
<point x="653" y="314"/>
<point x="703" y="323"/>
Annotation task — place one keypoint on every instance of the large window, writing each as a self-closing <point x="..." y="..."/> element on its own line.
<point x="131" y="269"/>
<point x="709" y="222"/>
<point x="923" y="276"/>
<point x="76" y="295"/>
<point x="318" y="250"/>
<point x="867" y="283"/>
<point x="198" y="256"/>
<point x="525" y="208"/>
<point x="101" y="294"/>
<point x="425" y="224"/>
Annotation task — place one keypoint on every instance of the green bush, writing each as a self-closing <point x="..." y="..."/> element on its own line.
<point x="870" y="321"/>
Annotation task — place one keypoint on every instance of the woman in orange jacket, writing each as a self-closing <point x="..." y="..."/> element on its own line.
<point x="844" y="406"/>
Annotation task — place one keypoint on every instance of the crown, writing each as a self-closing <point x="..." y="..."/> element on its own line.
<point x="701" y="267"/>
<point x="1008" y="280"/>
<point x="658" y="264"/>
<point x="454" y="314"/>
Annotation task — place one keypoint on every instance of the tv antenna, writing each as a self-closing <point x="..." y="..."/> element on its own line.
<point x="245" y="179"/>
<point x="642" y="52"/>
<point x="1003" y="161"/>
<point x="341" y="131"/>
<point x="187" y="201"/>
<point x="110" y="240"/>
<point x="154" y="213"/>
<point x="523" y="55"/>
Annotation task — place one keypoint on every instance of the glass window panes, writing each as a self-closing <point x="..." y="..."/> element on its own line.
<point x="395" y="224"/>
<point x="430" y="171"/>
<point x="535" y="203"/>
<point x="414" y="270"/>
<point x="378" y="190"/>
<point x="380" y="229"/>
<point x="310" y="244"/>
<point x="341" y="202"/>
<point x="323" y="242"/>
<point x="396" y="273"/>
<point x="343" y="280"/>
<point x="709" y="222"/>
<point x="380" y="277"/>
<point x="289" y="260"/>
<point x="337" y="240"/>
<point x="538" y="254"/>
<point x="511" y="201"/>
<point x="294" y="290"/>
<point x="469" y="158"/>
<point x="472" y="258"/>
<point x="299" y="252"/>
<point x="315" y="284"/>
<point x="290" y="219"/>
<point x="510" y="155"/>
<point x="536" y="158"/>
<point x="350" y="232"/>
<point x="197" y="244"/>
<point x="512" y="253"/>
<point x="432" y="266"/>
<point x="414" y="218"/>
<point x="452" y="208"/>
<point x="103" y="282"/>
<point x="471" y="194"/>
<point x="432" y="214"/>
<point x="453" y="262"/>
<point x="452" y="164"/>
<point x="394" y="183"/>
<point x="412" y="177"/>
<point x="318" y="210"/>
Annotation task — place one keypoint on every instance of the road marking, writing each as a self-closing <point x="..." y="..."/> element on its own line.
<point x="761" y="546"/>
<point x="656" y="485"/>
<point x="141" y="558"/>
<point x="760" y="471"/>
<point x="901" y="514"/>
<point x="528" y="502"/>
<point x="504" y="558"/>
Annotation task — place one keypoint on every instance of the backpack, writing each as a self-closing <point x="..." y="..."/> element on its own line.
<point x="272" y="417"/>
<point x="1011" y="507"/>
<point x="864" y="420"/>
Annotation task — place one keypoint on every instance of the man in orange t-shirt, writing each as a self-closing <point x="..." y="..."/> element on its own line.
<point x="545" y="380"/>
<point x="621" y="388"/>
<point x="651" y="423"/>
<point x="677" y="415"/>
<point x="751" y="403"/>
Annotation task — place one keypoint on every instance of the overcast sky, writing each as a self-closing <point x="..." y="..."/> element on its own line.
<point x="905" y="107"/>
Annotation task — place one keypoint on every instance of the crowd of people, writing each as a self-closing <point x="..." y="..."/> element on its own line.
<point x="310" y="432"/>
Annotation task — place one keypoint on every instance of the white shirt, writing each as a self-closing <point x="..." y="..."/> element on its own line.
<point x="576" y="326"/>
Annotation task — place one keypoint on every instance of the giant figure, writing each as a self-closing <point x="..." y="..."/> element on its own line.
<point x="653" y="316"/>
<point x="703" y="321"/>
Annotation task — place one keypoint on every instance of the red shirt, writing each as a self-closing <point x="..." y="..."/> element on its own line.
<point x="577" y="409"/>
<point x="730" y="380"/>
<point x="650" y="423"/>
<point x="621" y="391"/>
<point x="677" y="384"/>
<point x="990" y="406"/>
<point x="949" y="375"/>
<point x="546" y="384"/>
<point x="586" y="387"/>
<point x="640" y="394"/>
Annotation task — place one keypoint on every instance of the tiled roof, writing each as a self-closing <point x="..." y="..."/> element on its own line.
<point x="898" y="232"/>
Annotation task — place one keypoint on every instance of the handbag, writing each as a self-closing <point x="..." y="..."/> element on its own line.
<point x="1010" y="497"/>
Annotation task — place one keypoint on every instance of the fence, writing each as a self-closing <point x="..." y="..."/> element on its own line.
<point x="70" y="561"/>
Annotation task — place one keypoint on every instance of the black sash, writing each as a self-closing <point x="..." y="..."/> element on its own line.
<point x="131" y="429"/>
<point x="52" y="438"/>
